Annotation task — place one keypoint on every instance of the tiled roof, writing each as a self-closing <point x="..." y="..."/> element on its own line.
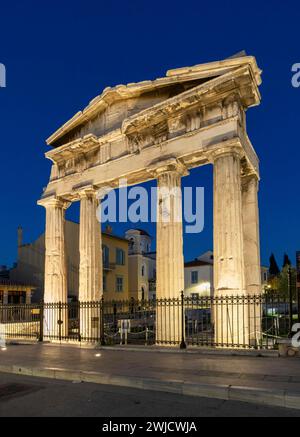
<point x="5" y="281"/>
<point x="197" y="262"/>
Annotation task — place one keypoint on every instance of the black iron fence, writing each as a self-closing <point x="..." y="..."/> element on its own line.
<point x="257" y="321"/>
<point x="21" y="321"/>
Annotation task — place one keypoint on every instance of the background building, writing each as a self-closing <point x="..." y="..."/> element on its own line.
<point x="142" y="265"/>
<point x="12" y="292"/>
<point x="129" y="267"/>
<point x="264" y="277"/>
<point x="198" y="276"/>
<point x="30" y="265"/>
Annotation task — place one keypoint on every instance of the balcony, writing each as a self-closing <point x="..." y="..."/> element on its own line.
<point x="109" y="266"/>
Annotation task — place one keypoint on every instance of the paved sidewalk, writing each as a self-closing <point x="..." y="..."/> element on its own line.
<point x="261" y="380"/>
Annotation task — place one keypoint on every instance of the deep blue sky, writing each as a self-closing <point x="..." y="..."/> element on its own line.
<point x="60" y="54"/>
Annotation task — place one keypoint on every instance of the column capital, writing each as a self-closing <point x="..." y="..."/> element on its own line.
<point x="54" y="202"/>
<point x="227" y="151"/>
<point x="248" y="180"/>
<point x="88" y="191"/>
<point x="171" y="165"/>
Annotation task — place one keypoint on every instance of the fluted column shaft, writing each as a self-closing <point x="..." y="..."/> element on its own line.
<point x="228" y="226"/>
<point x="55" y="290"/>
<point x="90" y="247"/>
<point x="55" y="258"/>
<point x="90" y="269"/>
<point x="169" y="257"/>
<point x="251" y="234"/>
<point x="230" y="310"/>
<point x="252" y="255"/>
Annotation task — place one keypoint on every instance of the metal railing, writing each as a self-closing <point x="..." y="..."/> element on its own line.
<point x="256" y="321"/>
<point x="22" y="321"/>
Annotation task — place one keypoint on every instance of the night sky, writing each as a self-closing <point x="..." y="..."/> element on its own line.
<point x="61" y="54"/>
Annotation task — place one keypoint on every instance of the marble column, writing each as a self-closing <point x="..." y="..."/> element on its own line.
<point x="90" y="270"/>
<point x="252" y="254"/>
<point x="251" y="234"/>
<point x="55" y="290"/>
<point x="169" y="256"/>
<point x="230" y="314"/>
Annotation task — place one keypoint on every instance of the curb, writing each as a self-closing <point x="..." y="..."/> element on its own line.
<point x="199" y="351"/>
<point x="262" y="353"/>
<point x="256" y="395"/>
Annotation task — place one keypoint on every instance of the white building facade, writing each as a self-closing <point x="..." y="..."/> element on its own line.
<point x="198" y="276"/>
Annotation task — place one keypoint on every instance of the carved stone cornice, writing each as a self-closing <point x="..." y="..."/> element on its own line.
<point x="207" y="93"/>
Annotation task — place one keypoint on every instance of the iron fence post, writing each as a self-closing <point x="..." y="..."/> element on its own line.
<point x="41" y="334"/>
<point x="102" y="336"/>
<point x="182" y="344"/>
<point x="290" y="298"/>
<point x="59" y="320"/>
<point x="298" y="303"/>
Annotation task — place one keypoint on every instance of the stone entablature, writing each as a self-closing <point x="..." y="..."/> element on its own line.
<point x="203" y="116"/>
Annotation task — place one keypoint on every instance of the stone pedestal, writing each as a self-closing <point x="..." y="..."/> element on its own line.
<point x="90" y="270"/>
<point x="169" y="256"/>
<point x="55" y="291"/>
<point x="230" y="315"/>
<point x="252" y="254"/>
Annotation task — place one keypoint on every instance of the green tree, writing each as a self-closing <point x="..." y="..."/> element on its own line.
<point x="286" y="261"/>
<point x="273" y="269"/>
<point x="283" y="282"/>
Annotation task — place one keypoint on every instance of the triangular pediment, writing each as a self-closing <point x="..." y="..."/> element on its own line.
<point x="108" y="111"/>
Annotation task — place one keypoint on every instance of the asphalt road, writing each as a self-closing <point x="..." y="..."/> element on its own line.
<point x="39" y="397"/>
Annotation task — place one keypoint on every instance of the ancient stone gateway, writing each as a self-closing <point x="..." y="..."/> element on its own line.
<point x="160" y="129"/>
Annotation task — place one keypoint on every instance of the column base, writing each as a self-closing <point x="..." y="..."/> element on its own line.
<point x="90" y="323"/>
<point x="237" y="320"/>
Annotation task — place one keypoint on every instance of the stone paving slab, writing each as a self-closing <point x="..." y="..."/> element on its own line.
<point x="269" y="381"/>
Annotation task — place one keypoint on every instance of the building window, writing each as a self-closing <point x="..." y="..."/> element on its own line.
<point x="105" y="256"/>
<point x="143" y="270"/>
<point x="104" y="283"/>
<point x="194" y="277"/>
<point x="120" y="257"/>
<point x="119" y="284"/>
<point x="131" y="243"/>
<point x="265" y="277"/>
